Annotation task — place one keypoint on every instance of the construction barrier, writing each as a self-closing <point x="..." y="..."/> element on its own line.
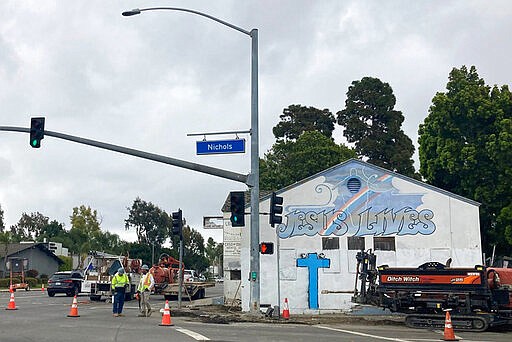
<point x="12" y="303"/>
<point x="286" y="309"/>
<point x="74" y="309"/>
<point x="166" y="317"/>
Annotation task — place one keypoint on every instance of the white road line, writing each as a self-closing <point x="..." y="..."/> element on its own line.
<point x="363" y="334"/>
<point x="194" y="335"/>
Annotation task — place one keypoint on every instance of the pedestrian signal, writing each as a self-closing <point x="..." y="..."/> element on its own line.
<point x="267" y="248"/>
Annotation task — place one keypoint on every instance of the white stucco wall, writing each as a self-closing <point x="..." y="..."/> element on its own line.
<point x="427" y="224"/>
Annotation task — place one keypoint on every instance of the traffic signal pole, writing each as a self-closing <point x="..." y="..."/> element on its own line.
<point x="141" y="154"/>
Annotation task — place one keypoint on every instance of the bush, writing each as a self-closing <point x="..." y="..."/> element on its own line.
<point x="5" y="282"/>
<point x="32" y="282"/>
<point x="67" y="265"/>
<point x="32" y="273"/>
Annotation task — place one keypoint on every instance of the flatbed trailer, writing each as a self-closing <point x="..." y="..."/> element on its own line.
<point x="192" y="290"/>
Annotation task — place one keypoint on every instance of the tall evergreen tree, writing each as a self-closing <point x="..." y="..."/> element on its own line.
<point x="374" y="126"/>
<point x="466" y="147"/>
<point x="290" y="161"/>
<point x="297" y="119"/>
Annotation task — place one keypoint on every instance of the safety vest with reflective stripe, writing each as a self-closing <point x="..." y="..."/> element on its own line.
<point x="120" y="280"/>
<point x="145" y="282"/>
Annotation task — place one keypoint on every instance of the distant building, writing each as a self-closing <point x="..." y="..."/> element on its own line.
<point x="36" y="254"/>
<point x="57" y="249"/>
<point x="329" y="217"/>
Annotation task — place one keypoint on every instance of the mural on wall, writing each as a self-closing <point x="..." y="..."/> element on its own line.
<point x="358" y="200"/>
<point x="313" y="262"/>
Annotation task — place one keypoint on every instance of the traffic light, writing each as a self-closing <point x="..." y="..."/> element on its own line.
<point x="36" y="132"/>
<point x="267" y="248"/>
<point x="177" y="223"/>
<point x="237" y="199"/>
<point x="276" y="208"/>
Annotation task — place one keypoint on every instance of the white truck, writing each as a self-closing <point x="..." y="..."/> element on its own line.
<point x="100" y="269"/>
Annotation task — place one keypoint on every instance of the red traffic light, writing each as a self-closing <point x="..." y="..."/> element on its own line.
<point x="267" y="248"/>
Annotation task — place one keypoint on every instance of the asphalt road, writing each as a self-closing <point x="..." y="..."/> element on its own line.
<point x="40" y="318"/>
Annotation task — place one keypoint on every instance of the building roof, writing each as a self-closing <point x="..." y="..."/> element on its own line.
<point x="11" y="249"/>
<point x="365" y="164"/>
<point x="264" y="194"/>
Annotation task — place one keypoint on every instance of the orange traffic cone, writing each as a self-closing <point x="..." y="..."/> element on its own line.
<point x="42" y="287"/>
<point x="11" y="290"/>
<point x="449" y="335"/>
<point x="12" y="304"/>
<point x="166" y="317"/>
<point x="74" y="309"/>
<point x="286" y="309"/>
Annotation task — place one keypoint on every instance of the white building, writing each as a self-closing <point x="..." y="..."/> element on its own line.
<point x="330" y="216"/>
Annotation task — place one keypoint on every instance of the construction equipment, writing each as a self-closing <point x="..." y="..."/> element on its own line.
<point x="100" y="269"/>
<point x="166" y="275"/>
<point x="479" y="297"/>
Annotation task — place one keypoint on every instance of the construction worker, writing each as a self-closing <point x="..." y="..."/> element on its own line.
<point x="146" y="285"/>
<point x="120" y="282"/>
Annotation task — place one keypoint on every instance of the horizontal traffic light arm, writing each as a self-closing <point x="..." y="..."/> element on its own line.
<point x="237" y="177"/>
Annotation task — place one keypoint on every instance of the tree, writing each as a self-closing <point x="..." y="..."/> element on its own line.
<point x="214" y="252"/>
<point x="374" y="126"/>
<point x="466" y="148"/>
<point x="2" y="225"/>
<point x="151" y="223"/>
<point x="297" y="119"/>
<point x="85" y="219"/>
<point x="84" y="229"/>
<point x="53" y="230"/>
<point x="290" y="161"/>
<point x="29" y="227"/>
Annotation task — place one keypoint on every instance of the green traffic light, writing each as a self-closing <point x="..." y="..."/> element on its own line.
<point x="34" y="142"/>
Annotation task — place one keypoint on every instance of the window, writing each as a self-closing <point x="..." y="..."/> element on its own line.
<point x="330" y="243"/>
<point x="235" y="275"/>
<point x="384" y="243"/>
<point x="355" y="243"/>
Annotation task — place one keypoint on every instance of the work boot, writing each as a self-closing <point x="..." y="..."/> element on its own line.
<point x="115" y="315"/>
<point x="150" y="312"/>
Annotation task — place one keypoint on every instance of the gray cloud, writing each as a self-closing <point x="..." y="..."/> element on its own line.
<point x="147" y="81"/>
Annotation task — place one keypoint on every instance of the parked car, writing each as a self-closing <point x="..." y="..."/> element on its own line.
<point x="68" y="282"/>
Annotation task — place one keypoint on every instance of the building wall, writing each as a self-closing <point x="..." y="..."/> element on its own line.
<point x="417" y="223"/>
<point x="231" y="263"/>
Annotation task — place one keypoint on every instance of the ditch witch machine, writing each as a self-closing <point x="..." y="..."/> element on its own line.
<point x="479" y="297"/>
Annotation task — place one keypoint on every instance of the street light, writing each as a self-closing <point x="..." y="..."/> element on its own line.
<point x="253" y="179"/>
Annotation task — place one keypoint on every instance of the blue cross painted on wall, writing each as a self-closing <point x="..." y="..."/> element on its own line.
<point x="313" y="263"/>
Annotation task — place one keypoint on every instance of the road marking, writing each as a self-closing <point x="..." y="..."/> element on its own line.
<point x="194" y="335"/>
<point x="363" y="334"/>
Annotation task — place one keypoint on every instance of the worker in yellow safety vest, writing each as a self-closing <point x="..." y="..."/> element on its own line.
<point x="120" y="282"/>
<point x="146" y="285"/>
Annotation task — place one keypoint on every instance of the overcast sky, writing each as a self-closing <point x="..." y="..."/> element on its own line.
<point x="147" y="81"/>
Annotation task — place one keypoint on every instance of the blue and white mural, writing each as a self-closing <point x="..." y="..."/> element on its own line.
<point x="358" y="202"/>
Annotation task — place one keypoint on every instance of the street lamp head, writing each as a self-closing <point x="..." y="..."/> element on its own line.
<point x="134" y="11"/>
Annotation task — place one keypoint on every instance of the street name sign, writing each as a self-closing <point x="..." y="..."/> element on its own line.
<point x="220" y="146"/>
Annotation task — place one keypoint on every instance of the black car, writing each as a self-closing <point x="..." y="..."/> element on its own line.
<point x="68" y="282"/>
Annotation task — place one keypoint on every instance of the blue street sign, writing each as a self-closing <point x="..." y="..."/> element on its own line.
<point x="220" y="146"/>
